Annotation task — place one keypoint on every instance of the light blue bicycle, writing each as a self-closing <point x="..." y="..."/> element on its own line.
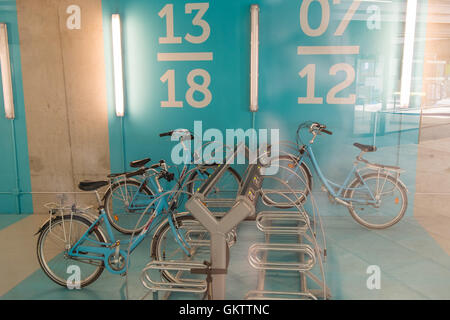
<point x="373" y="193"/>
<point x="76" y="240"/>
<point x="129" y="193"/>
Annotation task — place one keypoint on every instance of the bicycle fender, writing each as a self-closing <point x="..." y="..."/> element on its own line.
<point x="44" y="225"/>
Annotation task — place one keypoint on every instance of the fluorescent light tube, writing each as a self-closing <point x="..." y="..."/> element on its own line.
<point x="8" y="97"/>
<point x="254" y="58"/>
<point x="118" y="68"/>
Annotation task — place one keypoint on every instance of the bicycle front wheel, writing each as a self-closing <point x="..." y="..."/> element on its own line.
<point x="164" y="246"/>
<point x="54" y="242"/>
<point x="125" y="202"/>
<point x="389" y="193"/>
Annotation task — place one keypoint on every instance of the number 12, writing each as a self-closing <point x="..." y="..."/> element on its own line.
<point x="310" y="72"/>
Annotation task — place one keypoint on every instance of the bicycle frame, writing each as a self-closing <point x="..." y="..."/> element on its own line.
<point x="141" y="200"/>
<point x="331" y="186"/>
<point x="106" y="250"/>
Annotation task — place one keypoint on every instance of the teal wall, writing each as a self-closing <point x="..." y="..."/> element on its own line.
<point x="13" y="135"/>
<point x="377" y="78"/>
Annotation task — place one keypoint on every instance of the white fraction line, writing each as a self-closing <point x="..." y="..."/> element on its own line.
<point x="313" y="50"/>
<point x="186" y="56"/>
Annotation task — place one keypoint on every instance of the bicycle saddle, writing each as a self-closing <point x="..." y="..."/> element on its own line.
<point x="92" y="185"/>
<point x="365" y="147"/>
<point x="139" y="163"/>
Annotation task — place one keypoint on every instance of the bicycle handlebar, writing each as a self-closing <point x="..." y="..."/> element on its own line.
<point x="320" y="128"/>
<point x="165" y="134"/>
<point x="164" y="173"/>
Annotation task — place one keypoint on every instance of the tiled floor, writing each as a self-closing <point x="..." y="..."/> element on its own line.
<point x="9" y="219"/>
<point x="413" y="265"/>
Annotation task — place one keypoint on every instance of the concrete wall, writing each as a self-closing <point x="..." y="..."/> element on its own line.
<point x="65" y="98"/>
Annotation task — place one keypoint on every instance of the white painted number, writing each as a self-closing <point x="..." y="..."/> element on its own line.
<point x="195" y="85"/>
<point x="169" y="77"/>
<point x="331" y="96"/>
<point x="167" y="12"/>
<point x="202" y="88"/>
<point x="304" y="22"/>
<point x="347" y="18"/>
<point x="325" y="19"/>
<point x="198" y="21"/>
<point x="310" y="72"/>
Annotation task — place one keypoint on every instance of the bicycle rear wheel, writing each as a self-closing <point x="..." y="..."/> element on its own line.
<point x="54" y="241"/>
<point x="391" y="196"/>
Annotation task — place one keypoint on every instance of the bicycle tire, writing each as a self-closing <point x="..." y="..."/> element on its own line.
<point x="41" y="256"/>
<point x="156" y="250"/>
<point x="397" y="184"/>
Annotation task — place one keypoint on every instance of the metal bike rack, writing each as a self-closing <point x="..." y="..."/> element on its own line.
<point x="297" y="223"/>
<point x="262" y="264"/>
<point x="293" y="222"/>
<point x="183" y="284"/>
<point x="278" y="295"/>
<point x="244" y="206"/>
<point x="219" y="225"/>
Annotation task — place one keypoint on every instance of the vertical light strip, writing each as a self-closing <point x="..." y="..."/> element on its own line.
<point x="254" y="58"/>
<point x="408" y="53"/>
<point x="118" y="69"/>
<point x="8" y="98"/>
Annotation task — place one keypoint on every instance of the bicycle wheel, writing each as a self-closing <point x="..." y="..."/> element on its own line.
<point x="164" y="246"/>
<point x="117" y="205"/>
<point x="293" y="181"/>
<point x="226" y="188"/>
<point x="54" y="241"/>
<point x="390" y="193"/>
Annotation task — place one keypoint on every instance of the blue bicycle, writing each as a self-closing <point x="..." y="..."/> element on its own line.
<point x="129" y="194"/>
<point x="75" y="241"/>
<point x="373" y="193"/>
